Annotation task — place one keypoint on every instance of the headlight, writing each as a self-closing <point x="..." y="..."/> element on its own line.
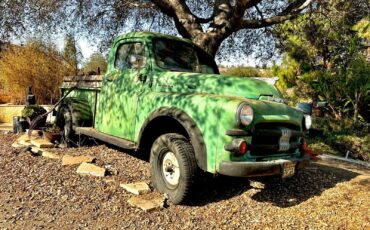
<point x="244" y="114"/>
<point x="307" y="121"/>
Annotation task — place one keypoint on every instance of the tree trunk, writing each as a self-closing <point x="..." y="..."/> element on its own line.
<point x="356" y="107"/>
<point x="208" y="43"/>
<point x="226" y="19"/>
<point x="355" y="114"/>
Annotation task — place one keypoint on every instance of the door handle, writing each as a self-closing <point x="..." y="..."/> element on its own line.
<point x="109" y="79"/>
<point x="142" y="77"/>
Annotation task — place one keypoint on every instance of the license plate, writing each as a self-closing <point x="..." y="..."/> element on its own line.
<point x="288" y="169"/>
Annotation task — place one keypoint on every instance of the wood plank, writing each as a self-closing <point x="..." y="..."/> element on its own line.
<point x="82" y="84"/>
<point x="83" y="78"/>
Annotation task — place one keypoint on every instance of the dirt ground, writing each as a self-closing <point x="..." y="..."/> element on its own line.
<point x="37" y="192"/>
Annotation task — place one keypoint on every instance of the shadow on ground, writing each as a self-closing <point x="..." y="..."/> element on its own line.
<point x="308" y="183"/>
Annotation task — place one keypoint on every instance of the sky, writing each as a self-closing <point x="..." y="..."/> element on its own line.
<point x="87" y="49"/>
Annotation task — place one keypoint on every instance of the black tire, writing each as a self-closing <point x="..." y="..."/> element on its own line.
<point x="176" y="145"/>
<point x="65" y="122"/>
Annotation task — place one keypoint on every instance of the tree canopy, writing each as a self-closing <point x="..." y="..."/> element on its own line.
<point x="71" y="53"/>
<point x="323" y="57"/>
<point x="35" y="64"/>
<point x="94" y="62"/>
<point x="207" y="23"/>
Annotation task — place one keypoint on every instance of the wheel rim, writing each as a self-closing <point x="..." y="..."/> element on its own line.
<point x="171" y="169"/>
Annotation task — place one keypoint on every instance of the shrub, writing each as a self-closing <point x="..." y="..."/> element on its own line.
<point x="32" y="111"/>
<point x="247" y="72"/>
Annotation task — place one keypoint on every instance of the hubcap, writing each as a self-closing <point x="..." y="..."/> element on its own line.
<point x="170" y="169"/>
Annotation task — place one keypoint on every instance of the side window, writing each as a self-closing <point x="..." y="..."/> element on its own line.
<point x="130" y="56"/>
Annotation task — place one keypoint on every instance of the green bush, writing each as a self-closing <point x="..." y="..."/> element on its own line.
<point x="32" y="111"/>
<point x="342" y="137"/>
<point x="247" y="72"/>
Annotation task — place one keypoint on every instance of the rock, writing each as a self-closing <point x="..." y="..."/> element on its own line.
<point x="35" y="133"/>
<point x="90" y="169"/>
<point x="147" y="204"/>
<point x="17" y="145"/>
<point x="44" y="153"/>
<point x="35" y="151"/>
<point x="110" y="181"/>
<point x="25" y="137"/>
<point x="136" y="188"/>
<point x="50" y="155"/>
<point x="42" y="143"/>
<point x="62" y="146"/>
<point x="74" y="160"/>
<point x="6" y="127"/>
<point x="25" y="143"/>
<point x="25" y="140"/>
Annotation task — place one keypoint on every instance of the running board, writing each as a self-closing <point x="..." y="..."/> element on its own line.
<point x="88" y="131"/>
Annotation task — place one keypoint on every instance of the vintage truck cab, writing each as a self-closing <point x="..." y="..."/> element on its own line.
<point x="163" y="96"/>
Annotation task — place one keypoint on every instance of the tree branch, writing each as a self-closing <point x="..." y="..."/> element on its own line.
<point x="164" y="6"/>
<point x="292" y="11"/>
<point x="259" y="12"/>
<point x="242" y="5"/>
<point x="186" y="22"/>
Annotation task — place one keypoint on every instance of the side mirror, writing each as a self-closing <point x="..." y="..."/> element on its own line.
<point x="306" y="108"/>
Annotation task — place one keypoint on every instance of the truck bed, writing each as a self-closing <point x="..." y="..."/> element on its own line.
<point x="93" y="82"/>
<point x="88" y="89"/>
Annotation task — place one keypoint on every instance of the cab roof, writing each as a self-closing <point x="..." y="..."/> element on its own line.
<point x="149" y="36"/>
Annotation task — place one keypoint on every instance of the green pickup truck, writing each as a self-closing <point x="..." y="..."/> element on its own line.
<point x="163" y="96"/>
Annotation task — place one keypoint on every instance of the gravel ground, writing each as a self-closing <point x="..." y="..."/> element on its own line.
<point x="37" y="192"/>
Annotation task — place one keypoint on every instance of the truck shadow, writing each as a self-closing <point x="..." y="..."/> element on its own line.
<point x="309" y="182"/>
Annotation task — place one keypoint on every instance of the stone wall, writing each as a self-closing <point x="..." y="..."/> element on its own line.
<point x="7" y="112"/>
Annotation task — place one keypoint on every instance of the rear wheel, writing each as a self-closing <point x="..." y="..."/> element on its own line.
<point x="65" y="122"/>
<point x="173" y="166"/>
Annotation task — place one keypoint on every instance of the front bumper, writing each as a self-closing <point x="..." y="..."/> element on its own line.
<point x="266" y="168"/>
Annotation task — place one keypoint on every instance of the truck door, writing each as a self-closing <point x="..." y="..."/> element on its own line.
<point x="122" y="89"/>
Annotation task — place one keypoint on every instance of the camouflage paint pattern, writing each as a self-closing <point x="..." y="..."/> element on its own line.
<point x="211" y="100"/>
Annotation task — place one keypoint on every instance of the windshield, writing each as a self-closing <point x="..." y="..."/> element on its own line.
<point x="184" y="57"/>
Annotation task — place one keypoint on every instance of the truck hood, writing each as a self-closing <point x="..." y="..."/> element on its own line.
<point x="180" y="82"/>
<point x="231" y="86"/>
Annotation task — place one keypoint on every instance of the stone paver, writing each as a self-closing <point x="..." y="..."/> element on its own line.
<point x="6" y="126"/>
<point x="147" y="204"/>
<point x="50" y="155"/>
<point x="90" y="169"/>
<point x="136" y="188"/>
<point x="45" y="153"/>
<point x="42" y="143"/>
<point x="25" y="140"/>
<point x="17" y="145"/>
<point x="75" y="160"/>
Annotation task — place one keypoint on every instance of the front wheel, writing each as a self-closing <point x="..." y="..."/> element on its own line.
<point x="173" y="166"/>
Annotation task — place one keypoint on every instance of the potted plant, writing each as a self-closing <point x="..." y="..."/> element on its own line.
<point x="30" y="112"/>
<point x="52" y="134"/>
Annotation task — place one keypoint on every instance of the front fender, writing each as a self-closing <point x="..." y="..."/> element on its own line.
<point x="194" y="133"/>
<point x="202" y="115"/>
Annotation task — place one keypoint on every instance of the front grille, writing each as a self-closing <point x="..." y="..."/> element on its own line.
<point x="267" y="139"/>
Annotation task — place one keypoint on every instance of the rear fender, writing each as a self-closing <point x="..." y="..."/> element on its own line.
<point x="82" y="115"/>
